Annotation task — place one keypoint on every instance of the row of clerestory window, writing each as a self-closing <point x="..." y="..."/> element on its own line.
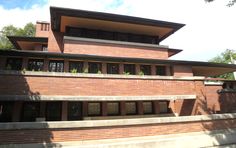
<point x="79" y="67"/>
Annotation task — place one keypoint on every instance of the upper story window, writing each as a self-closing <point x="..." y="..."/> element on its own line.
<point x="145" y="69"/>
<point x="44" y="47"/>
<point x="113" y="108"/>
<point x="76" y="66"/>
<point x="56" y="66"/>
<point x="147" y="107"/>
<point x="14" y="64"/>
<point x="35" y="64"/>
<point x="30" y="111"/>
<point x="129" y="69"/>
<point x="6" y="109"/>
<point x="161" y="70"/>
<point x="53" y="111"/>
<point x="94" y="67"/>
<point x="112" y="68"/>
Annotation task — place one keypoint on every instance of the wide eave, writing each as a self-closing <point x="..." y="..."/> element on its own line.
<point x="62" y="17"/>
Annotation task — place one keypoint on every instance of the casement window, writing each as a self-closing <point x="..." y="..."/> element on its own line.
<point x="129" y="69"/>
<point x="147" y="107"/>
<point x="56" y="66"/>
<point x="113" y="108"/>
<point x="13" y="64"/>
<point x="161" y="70"/>
<point x="145" y="69"/>
<point x="94" y="67"/>
<point x="44" y="47"/>
<point x="163" y="105"/>
<point x="30" y="111"/>
<point x="35" y="64"/>
<point x="76" y="66"/>
<point x="94" y="109"/>
<point x="53" y="111"/>
<point x="6" y="109"/>
<point x="74" y="111"/>
<point x="131" y="108"/>
<point x="112" y="68"/>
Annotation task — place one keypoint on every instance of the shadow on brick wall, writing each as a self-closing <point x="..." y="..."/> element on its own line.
<point x="15" y="85"/>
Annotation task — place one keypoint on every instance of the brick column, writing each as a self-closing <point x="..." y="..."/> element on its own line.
<point x="46" y="65"/>
<point x="156" y="107"/>
<point x="64" y="111"/>
<point x="3" y="62"/>
<point x="137" y="69"/>
<point x="85" y="109"/>
<point x="16" y="114"/>
<point x="85" y="68"/>
<point x="66" y="65"/>
<point x="25" y="63"/>
<point x="104" y="108"/>
<point x="153" y="69"/>
<point x="140" y="107"/>
<point x="168" y="71"/>
<point x="122" y="108"/>
<point x="42" y="112"/>
<point x="104" y="68"/>
<point x="121" y="68"/>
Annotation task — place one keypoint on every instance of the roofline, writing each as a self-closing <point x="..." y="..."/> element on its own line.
<point x="14" y="39"/>
<point x="57" y="12"/>
<point x="112" y="59"/>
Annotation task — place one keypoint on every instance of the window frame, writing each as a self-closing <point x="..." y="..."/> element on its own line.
<point x="57" y="62"/>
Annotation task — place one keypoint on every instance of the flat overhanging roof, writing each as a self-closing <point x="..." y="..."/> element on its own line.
<point x="26" y="43"/>
<point x="199" y="68"/>
<point x="62" y="17"/>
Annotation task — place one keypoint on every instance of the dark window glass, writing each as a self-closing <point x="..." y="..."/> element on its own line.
<point x="14" y="63"/>
<point x="44" y="47"/>
<point x="56" y="66"/>
<point x="146" y="69"/>
<point x="53" y="111"/>
<point x="131" y="108"/>
<point x="129" y="69"/>
<point x="112" y="68"/>
<point x="161" y="70"/>
<point x="94" y="67"/>
<point x="113" y="108"/>
<point x="135" y="38"/>
<point x="106" y="35"/>
<point x="35" y="64"/>
<point x="163" y="106"/>
<point x="74" y="111"/>
<point x="147" y="107"/>
<point x="94" y="108"/>
<point x="30" y="111"/>
<point x="122" y="37"/>
<point x="6" y="111"/>
<point x="76" y="66"/>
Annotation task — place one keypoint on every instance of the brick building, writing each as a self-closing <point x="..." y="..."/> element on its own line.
<point x="105" y="76"/>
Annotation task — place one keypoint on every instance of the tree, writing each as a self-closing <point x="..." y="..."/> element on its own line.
<point x="225" y="57"/>
<point x="10" y="30"/>
<point x="230" y="3"/>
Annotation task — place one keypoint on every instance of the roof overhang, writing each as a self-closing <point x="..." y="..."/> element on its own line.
<point x="27" y="43"/>
<point x="62" y="17"/>
<point x="199" y="68"/>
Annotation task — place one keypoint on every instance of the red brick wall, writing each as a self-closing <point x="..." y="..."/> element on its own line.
<point x="213" y="97"/>
<point x="43" y="85"/>
<point x="80" y="134"/>
<point x="182" y="70"/>
<point x="55" y="41"/>
<point x="39" y="32"/>
<point x="101" y="49"/>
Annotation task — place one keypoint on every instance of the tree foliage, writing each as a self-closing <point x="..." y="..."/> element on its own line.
<point x="230" y="3"/>
<point x="28" y="31"/>
<point x="225" y="57"/>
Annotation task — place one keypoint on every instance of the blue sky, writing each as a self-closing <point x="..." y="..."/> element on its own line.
<point x="210" y="27"/>
<point x="22" y="4"/>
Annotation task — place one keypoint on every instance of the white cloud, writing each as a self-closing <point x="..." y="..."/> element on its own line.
<point x="210" y="28"/>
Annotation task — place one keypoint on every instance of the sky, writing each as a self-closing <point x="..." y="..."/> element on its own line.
<point x="210" y="27"/>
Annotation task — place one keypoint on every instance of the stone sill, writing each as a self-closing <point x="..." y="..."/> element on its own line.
<point x="105" y="76"/>
<point x="113" y="122"/>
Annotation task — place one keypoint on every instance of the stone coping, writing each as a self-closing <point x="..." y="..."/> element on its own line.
<point x="213" y="83"/>
<point x="105" y="76"/>
<point x="92" y="98"/>
<point x="114" y="122"/>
